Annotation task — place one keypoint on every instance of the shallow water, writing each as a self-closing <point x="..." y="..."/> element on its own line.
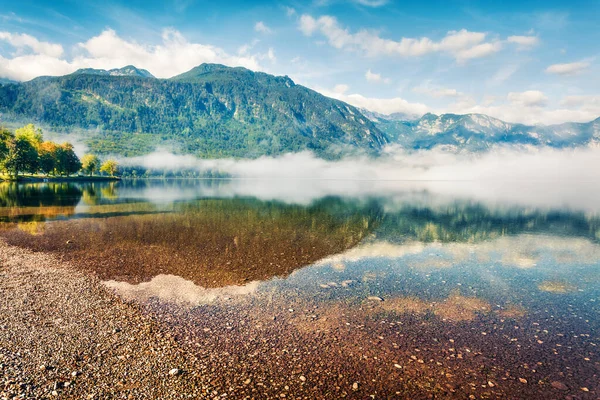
<point x="408" y="289"/>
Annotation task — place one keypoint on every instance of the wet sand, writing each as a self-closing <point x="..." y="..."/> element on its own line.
<point x="62" y="333"/>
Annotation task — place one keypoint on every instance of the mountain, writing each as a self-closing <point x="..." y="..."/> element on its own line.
<point x="218" y="111"/>
<point x="210" y="111"/>
<point x="478" y="132"/>
<point x="6" y="81"/>
<point x="397" y="116"/>
<point x="129" y="70"/>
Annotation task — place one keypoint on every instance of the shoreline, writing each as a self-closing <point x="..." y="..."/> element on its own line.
<point x="35" y="179"/>
<point x="62" y="333"/>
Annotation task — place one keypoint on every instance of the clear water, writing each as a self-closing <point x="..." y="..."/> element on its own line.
<point x="500" y="287"/>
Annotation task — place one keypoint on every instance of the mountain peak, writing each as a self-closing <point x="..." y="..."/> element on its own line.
<point x="131" y="70"/>
<point x="429" y="117"/>
<point x="222" y="73"/>
<point x="128" y="70"/>
<point x="205" y="70"/>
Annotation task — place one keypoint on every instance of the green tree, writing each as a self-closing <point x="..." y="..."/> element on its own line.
<point x="90" y="164"/>
<point x="32" y="134"/>
<point x="48" y="153"/>
<point x="5" y="137"/>
<point x="22" y="156"/>
<point x="67" y="162"/>
<point x="110" y="167"/>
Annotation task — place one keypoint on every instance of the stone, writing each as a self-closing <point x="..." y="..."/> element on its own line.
<point x="559" y="385"/>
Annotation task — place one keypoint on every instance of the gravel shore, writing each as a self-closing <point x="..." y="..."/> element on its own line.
<point x="63" y="335"/>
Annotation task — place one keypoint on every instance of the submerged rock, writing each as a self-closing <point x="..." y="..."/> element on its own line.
<point x="559" y="385"/>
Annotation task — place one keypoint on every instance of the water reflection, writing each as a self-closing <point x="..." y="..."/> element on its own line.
<point x="200" y="231"/>
<point x="37" y="202"/>
<point x="178" y="290"/>
<point x="457" y="296"/>
<point x="212" y="242"/>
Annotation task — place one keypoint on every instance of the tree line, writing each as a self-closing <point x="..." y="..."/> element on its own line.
<point x="25" y="151"/>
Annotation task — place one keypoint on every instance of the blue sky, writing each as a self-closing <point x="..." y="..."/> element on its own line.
<point x="521" y="61"/>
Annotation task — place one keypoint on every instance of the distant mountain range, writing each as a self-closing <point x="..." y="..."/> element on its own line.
<point x="219" y="111"/>
<point x="479" y="132"/>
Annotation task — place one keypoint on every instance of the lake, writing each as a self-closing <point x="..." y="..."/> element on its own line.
<point x="418" y="289"/>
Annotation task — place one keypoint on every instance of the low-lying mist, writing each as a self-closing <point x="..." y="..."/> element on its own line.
<point x="545" y="177"/>
<point x="503" y="164"/>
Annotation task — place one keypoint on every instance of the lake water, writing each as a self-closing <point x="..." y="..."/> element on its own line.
<point x="344" y="288"/>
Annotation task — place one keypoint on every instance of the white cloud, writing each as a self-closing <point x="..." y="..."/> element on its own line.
<point x="581" y="100"/>
<point x="383" y="106"/>
<point x="290" y="11"/>
<point x="568" y="69"/>
<point x="527" y="115"/>
<point x="529" y="98"/>
<point x="172" y="56"/>
<point x="308" y="25"/>
<point x="524" y="42"/>
<point x="262" y="28"/>
<point x="529" y="107"/>
<point x="374" y="77"/>
<point x="589" y="104"/>
<point x="503" y="74"/>
<point x="479" y="51"/>
<point x="463" y="45"/>
<point x="341" y="89"/>
<point x="22" y="68"/>
<point x="245" y="49"/>
<point x="21" y="42"/>
<point x="436" y="92"/>
<point x="271" y="55"/>
<point x="372" y="3"/>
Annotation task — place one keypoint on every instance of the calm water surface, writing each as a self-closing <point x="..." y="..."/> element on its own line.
<point x="404" y="289"/>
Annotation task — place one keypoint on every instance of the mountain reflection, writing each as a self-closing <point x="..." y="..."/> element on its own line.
<point x="213" y="242"/>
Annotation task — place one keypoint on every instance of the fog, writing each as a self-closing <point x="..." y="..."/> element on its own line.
<point x="543" y="178"/>
<point x="500" y="165"/>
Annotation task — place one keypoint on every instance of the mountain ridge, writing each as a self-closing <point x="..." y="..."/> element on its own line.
<point x="209" y="111"/>
<point x="480" y="132"/>
<point x="128" y="70"/>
